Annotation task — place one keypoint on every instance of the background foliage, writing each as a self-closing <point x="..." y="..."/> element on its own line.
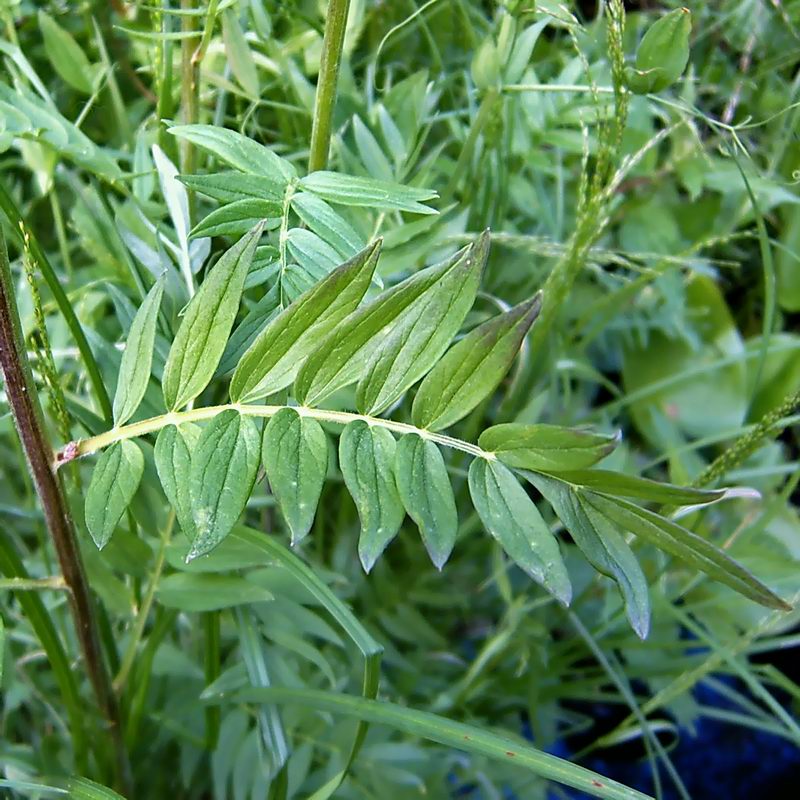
<point x="664" y="228"/>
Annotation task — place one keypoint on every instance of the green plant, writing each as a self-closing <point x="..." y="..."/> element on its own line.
<point x="331" y="382"/>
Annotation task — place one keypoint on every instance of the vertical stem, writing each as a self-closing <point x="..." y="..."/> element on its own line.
<point x="335" y="24"/>
<point x="190" y="96"/>
<point x="27" y="413"/>
<point x="211" y="625"/>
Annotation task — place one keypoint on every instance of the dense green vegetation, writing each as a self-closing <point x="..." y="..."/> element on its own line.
<point x="388" y="387"/>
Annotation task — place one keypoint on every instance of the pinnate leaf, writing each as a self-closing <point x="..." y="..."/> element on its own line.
<point x="424" y="488"/>
<point x="295" y="455"/>
<point x="472" y="368"/>
<point x="137" y="360"/>
<point x="224" y="465"/>
<point x="235" y="218"/>
<point x="173" y="457"/>
<point x="206" y="325"/>
<point x="115" y="479"/>
<point x="512" y="518"/>
<point x="366" y="458"/>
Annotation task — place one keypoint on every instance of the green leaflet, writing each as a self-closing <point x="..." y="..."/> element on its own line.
<point x="84" y="789"/>
<point x="472" y="368"/>
<point x="114" y="482"/>
<point x="295" y="456"/>
<point x="342" y="357"/>
<point x="311" y="252"/>
<point x="206" y="325"/>
<point x="189" y="591"/>
<point x="238" y="151"/>
<point x="689" y="547"/>
<point x="173" y="457"/>
<point x="235" y="218"/>
<point x="366" y="458"/>
<point x="327" y="223"/>
<point x="663" y="53"/>
<point x="546" y="447"/>
<point x="230" y="187"/>
<point x="239" y="56"/>
<point x="419" y="340"/>
<point x="424" y="488"/>
<point x="66" y="55"/>
<point x="279" y="350"/>
<point x="224" y="465"/>
<point x="511" y="517"/>
<point x="348" y="190"/>
<point x="137" y="360"/>
<point x="603" y="544"/>
<point x="618" y="484"/>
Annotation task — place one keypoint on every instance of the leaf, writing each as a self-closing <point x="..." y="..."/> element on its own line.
<point x="370" y="152"/>
<point x="694" y="550"/>
<point x="236" y="218"/>
<point x="546" y="447"/>
<point x="295" y="455"/>
<point x="187" y="591"/>
<point x="503" y="748"/>
<point x="237" y="151"/>
<point x="604" y="546"/>
<point x="239" y="56"/>
<point x="114" y="482"/>
<point x="419" y="341"/>
<point x="348" y="190"/>
<point x="618" y="484"/>
<point x="366" y="458"/>
<point x="278" y="352"/>
<point x="246" y="332"/>
<point x="137" y="360"/>
<point x="84" y="789"/>
<point x="173" y="457"/>
<point x="426" y="493"/>
<point x="224" y="465"/>
<point x="472" y="368"/>
<point x="311" y="252"/>
<point x="66" y="55"/>
<point x="342" y="357"/>
<point x="327" y="223"/>
<point x="206" y="325"/>
<point x="663" y="53"/>
<point x="229" y="187"/>
<point x="511" y="517"/>
<point x="177" y="201"/>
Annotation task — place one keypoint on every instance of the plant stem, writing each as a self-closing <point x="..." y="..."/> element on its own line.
<point x="27" y="413"/>
<point x="32" y="584"/>
<point x="85" y="447"/>
<point x="335" y="24"/>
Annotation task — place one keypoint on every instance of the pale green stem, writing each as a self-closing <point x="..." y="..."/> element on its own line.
<point x="32" y="584"/>
<point x="85" y="447"/>
<point x="578" y="88"/>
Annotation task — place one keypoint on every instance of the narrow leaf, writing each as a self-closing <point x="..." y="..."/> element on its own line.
<point x="603" y="544"/>
<point x="114" y="482"/>
<point x="546" y="447"/>
<point x="177" y="201"/>
<point x="295" y="455"/>
<point x="511" y="517"/>
<point x="424" y="488"/>
<point x="618" y="484"/>
<point x="348" y="190"/>
<point x="224" y="465"/>
<point x="137" y="360"/>
<point x="279" y="351"/>
<point x="239" y="56"/>
<point x="682" y="543"/>
<point x="237" y="150"/>
<point x="366" y="458"/>
<point x="206" y="325"/>
<point x="235" y="218"/>
<point x="66" y="55"/>
<point x="416" y="344"/>
<point x="472" y="368"/>
<point x="342" y="357"/>
<point x="173" y="457"/>
<point x="325" y="222"/>
<point x="228" y="187"/>
<point x="187" y="591"/>
<point x="503" y="748"/>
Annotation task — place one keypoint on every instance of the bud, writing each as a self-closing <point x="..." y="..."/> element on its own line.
<point x="663" y="53"/>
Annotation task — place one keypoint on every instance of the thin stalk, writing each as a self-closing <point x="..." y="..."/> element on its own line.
<point x="32" y="584"/>
<point x="27" y="412"/>
<point x="190" y="87"/>
<point x="211" y="626"/>
<point x="85" y="447"/>
<point x="332" y="44"/>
